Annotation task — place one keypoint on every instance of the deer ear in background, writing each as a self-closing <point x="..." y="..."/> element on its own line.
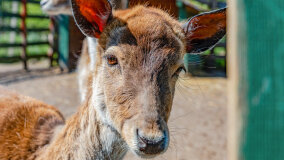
<point x="205" y="30"/>
<point x="91" y="16"/>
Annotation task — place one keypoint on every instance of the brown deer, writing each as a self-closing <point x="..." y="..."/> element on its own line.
<point x="131" y="85"/>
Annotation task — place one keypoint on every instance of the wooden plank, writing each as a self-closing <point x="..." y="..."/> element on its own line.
<point x="233" y="116"/>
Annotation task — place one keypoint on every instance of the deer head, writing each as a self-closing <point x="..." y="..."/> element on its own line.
<point x="140" y="55"/>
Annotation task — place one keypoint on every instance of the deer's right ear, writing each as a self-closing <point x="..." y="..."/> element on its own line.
<point x="91" y="16"/>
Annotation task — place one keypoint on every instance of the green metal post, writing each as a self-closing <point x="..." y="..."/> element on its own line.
<point x="261" y="78"/>
<point x="63" y="41"/>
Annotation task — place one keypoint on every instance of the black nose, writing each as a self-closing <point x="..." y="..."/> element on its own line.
<point x="151" y="145"/>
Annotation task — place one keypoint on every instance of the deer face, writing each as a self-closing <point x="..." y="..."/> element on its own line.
<point x="140" y="70"/>
<point x="140" y="53"/>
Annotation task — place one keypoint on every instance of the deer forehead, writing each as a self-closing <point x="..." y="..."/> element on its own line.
<point x="141" y="25"/>
<point x="144" y="34"/>
<point x="147" y="20"/>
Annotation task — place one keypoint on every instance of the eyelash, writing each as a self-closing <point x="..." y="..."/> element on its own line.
<point x="111" y="60"/>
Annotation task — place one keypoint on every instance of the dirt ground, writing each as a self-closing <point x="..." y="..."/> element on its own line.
<point x="198" y="120"/>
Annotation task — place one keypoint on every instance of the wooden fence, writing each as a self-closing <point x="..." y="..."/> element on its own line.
<point x="23" y="30"/>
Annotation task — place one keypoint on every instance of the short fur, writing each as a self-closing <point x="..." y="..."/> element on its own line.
<point x="26" y="125"/>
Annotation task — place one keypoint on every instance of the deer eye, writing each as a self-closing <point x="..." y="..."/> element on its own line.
<point x="181" y="68"/>
<point x="112" y="60"/>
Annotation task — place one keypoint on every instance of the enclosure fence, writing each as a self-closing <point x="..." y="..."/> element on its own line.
<point x="14" y="20"/>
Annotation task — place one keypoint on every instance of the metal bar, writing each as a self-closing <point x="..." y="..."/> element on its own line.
<point x="204" y="1"/>
<point x="213" y="4"/>
<point x="7" y="45"/>
<point x="24" y="34"/>
<point x="8" y="15"/>
<point x="221" y="45"/>
<point x="219" y="57"/>
<point x="2" y="59"/>
<point x="29" y="1"/>
<point x="51" y="42"/>
<point x="16" y="29"/>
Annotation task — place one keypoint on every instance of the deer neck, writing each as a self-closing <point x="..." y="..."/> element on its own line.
<point x="87" y="135"/>
<point x="92" y="50"/>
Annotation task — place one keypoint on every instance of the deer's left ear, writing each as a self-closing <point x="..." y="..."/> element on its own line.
<point x="91" y="16"/>
<point x="205" y="30"/>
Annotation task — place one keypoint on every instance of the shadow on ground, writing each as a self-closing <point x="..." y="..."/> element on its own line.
<point x="7" y="78"/>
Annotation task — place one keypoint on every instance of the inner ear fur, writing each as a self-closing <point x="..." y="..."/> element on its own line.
<point x="205" y="30"/>
<point x="91" y="16"/>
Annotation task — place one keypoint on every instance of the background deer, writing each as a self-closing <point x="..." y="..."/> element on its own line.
<point x="56" y="7"/>
<point x="26" y="125"/>
<point x="131" y="84"/>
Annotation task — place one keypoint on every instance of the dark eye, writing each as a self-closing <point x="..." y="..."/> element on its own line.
<point x="112" y="60"/>
<point x="178" y="71"/>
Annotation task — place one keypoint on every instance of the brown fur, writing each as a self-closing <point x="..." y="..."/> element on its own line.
<point x="156" y="47"/>
<point x="26" y="125"/>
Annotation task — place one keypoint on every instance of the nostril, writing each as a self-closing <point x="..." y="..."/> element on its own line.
<point x="151" y="141"/>
<point x="151" y="145"/>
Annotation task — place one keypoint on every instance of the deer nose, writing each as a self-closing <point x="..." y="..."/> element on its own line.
<point x="153" y="145"/>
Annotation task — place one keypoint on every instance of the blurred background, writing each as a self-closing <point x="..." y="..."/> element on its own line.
<point x="228" y="106"/>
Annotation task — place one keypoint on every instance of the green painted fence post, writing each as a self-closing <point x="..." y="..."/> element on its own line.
<point x="260" y="53"/>
<point x="63" y="41"/>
